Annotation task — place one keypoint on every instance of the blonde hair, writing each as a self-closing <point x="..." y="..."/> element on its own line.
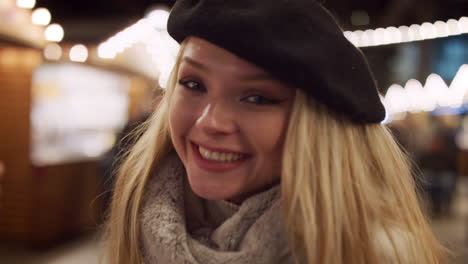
<point x="153" y="144"/>
<point x="342" y="184"/>
<point x="348" y="193"/>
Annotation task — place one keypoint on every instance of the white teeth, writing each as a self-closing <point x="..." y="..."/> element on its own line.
<point x="219" y="156"/>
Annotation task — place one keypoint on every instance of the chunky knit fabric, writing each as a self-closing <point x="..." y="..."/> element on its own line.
<point x="179" y="227"/>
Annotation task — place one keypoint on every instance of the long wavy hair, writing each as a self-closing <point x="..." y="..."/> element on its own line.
<point x="347" y="190"/>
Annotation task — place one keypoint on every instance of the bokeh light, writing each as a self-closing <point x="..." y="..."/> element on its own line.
<point x="79" y="53"/>
<point x="158" y="18"/>
<point x="41" y="16"/>
<point x="28" y="4"/>
<point x="53" y="52"/>
<point x="54" y="33"/>
<point x="415" y="32"/>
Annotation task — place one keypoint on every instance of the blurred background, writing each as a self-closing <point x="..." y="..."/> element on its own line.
<point x="77" y="76"/>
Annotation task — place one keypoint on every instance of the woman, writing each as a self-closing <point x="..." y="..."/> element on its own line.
<point x="266" y="148"/>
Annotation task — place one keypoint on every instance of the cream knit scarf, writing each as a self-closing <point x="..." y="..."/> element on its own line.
<point x="179" y="227"/>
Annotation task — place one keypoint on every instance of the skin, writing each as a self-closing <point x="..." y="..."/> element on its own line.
<point x="223" y="102"/>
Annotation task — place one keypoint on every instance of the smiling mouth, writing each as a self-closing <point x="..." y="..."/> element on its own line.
<point x="218" y="156"/>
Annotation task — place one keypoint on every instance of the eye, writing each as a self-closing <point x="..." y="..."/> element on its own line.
<point x="260" y="100"/>
<point x="192" y="85"/>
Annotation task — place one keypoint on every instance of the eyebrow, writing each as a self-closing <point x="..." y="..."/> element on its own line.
<point x="248" y="77"/>
<point x="195" y="63"/>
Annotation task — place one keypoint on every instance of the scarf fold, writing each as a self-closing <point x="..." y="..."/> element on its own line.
<point x="179" y="227"/>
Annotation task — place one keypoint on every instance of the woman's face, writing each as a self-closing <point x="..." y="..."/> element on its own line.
<point x="228" y="121"/>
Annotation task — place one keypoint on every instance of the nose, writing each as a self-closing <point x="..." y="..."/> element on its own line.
<point x="217" y="119"/>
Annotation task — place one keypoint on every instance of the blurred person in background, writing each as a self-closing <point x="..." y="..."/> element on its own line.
<point x="439" y="165"/>
<point x="266" y="147"/>
<point x="413" y="133"/>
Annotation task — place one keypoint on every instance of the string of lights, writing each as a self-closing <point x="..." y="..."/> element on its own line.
<point x="152" y="33"/>
<point x="402" y="34"/>
<point x="416" y="97"/>
<point x="42" y="17"/>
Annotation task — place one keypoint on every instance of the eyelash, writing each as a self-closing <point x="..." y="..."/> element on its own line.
<point x="186" y="85"/>
<point x="260" y="100"/>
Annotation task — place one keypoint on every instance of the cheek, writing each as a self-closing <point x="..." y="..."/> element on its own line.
<point x="269" y="136"/>
<point x="179" y="120"/>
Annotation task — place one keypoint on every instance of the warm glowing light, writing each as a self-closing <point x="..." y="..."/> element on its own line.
<point x="106" y="52"/>
<point x="415" y="32"/>
<point x="352" y="37"/>
<point x="416" y="95"/>
<point x="360" y="38"/>
<point x="41" y="16"/>
<point x="405" y="34"/>
<point x="163" y="79"/>
<point x="28" y="4"/>
<point x="437" y="89"/>
<point x="463" y="23"/>
<point x="158" y="18"/>
<point x="459" y="86"/>
<point x="394" y="34"/>
<point x="396" y="99"/>
<point x="164" y="51"/>
<point x="435" y="93"/>
<point x="368" y="37"/>
<point x="381" y="37"/>
<point x="54" y="33"/>
<point x="454" y="27"/>
<point x="7" y="5"/>
<point x="79" y="53"/>
<point x="152" y="33"/>
<point x="52" y="51"/>
<point x="441" y="28"/>
<point x="391" y="35"/>
<point x="428" y="31"/>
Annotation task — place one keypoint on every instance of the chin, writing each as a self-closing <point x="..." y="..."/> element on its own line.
<point x="211" y="193"/>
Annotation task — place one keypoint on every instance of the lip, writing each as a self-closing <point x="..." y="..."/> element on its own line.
<point x="219" y="149"/>
<point x="214" y="166"/>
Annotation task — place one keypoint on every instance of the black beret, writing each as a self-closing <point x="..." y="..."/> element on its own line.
<point x="298" y="41"/>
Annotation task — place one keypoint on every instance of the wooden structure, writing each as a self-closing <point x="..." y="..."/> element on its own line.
<point x="38" y="205"/>
<point x="16" y="68"/>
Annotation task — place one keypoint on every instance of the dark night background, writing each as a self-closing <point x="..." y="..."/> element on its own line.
<point x="93" y="20"/>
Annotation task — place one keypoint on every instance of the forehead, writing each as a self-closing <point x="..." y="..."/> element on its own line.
<point x="217" y="58"/>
